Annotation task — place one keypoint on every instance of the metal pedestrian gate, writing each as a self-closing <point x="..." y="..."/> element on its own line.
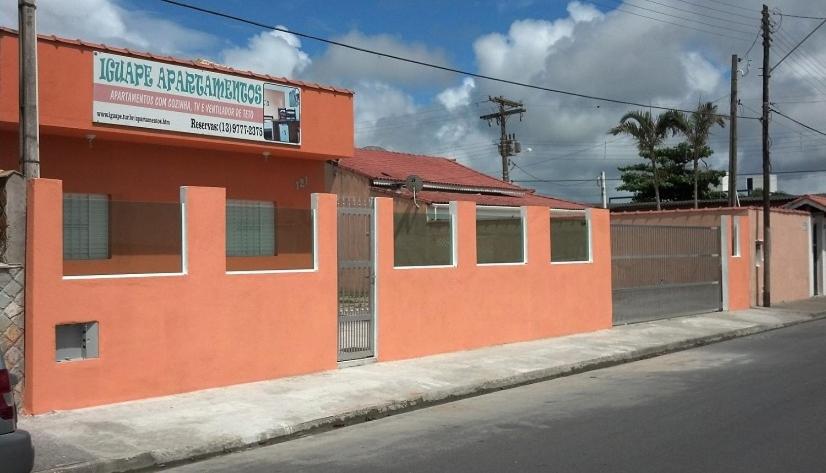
<point x="664" y="271"/>
<point x="356" y="279"/>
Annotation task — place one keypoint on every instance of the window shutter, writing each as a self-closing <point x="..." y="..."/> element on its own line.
<point x="250" y="228"/>
<point x="85" y="226"/>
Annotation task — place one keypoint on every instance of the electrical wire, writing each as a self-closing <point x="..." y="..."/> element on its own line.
<point x="721" y="11"/>
<point x="426" y="64"/>
<point x="680" y="25"/>
<point x="798" y="45"/>
<point x="697" y="14"/>
<point x="802" y="16"/>
<point x="814" y="61"/>
<point x="798" y="122"/>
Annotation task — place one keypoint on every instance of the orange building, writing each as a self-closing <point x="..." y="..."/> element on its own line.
<point x="180" y="237"/>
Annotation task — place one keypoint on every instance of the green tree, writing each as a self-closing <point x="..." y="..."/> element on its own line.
<point x="649" y="133"/>
<point x="676" y="179"/>
<point x="696" y="128"/>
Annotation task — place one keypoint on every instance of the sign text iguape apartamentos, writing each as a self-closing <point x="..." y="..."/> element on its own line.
<point x="149" y="94"/>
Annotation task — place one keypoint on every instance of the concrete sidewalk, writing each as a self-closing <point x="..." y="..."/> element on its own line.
<point x="147" y="433"/>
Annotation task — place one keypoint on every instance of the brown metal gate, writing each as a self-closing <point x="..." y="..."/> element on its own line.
<point x="661" y="271"/>
<point x="356" y="279"/>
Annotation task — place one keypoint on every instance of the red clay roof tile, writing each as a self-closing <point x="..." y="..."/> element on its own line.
<point x="394" y="166"/>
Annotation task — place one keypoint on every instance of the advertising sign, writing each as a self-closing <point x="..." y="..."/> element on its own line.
<point x="148" y="94"/>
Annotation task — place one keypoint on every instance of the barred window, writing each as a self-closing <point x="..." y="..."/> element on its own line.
<point x="250" y="228"/>
<point x="85" y="226"/>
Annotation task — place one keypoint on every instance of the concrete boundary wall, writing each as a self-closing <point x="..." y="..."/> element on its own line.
<point x="205" y="328"/>
<point x="164" y="335"/>
<point x="424" y="311"/>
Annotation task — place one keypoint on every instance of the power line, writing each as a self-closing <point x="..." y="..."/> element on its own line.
<point x="680" y="25"/>
<point x="802" y="16"/>
<point x="566" y="180"/>
<point x="756" y="37"/>
<point x="536" y="179"/>
<point x="732" y="5"/>
<point x="423" y="63"/>
<point x="809" y="74"/>
<point x="721" y="11"/>
<point x="798" y="45"/>
<point x="787" y="42"/>
<point x="796" y="121"/>
<point x="692" y="12"/>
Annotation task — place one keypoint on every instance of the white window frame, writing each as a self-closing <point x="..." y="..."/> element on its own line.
<point x="587" y="214"/>
<point x="505" y="210"/>
<point x="184" y="254"/>
<point x="314" y="216"/>
<point x="441" y="212"/>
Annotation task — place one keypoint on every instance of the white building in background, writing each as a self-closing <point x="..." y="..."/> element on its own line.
<point x="748" y="182"/>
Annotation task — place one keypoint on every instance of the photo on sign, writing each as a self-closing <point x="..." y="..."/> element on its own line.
<point x="282" y="121"/>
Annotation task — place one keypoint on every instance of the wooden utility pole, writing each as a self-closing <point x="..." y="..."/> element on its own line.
<point x="732" y="147"/>
<point x="508" y="146"/>
<point x="29" y="127"/>
<point x="767" y="253"/>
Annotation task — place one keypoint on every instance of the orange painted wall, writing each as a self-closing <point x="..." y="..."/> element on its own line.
<point x="434" y="310"/>
<point x="165" y="335"/>
<point x="739" y="268"/>
<point x="65" y="96"/>
<point x="791" y="250"/>
<point x="142" y="172"/>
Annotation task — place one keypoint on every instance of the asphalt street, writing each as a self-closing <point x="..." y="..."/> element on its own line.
<point x="754" y="404"/>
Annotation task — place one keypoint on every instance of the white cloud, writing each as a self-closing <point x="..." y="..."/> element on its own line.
<point x="346" y="65"/>
<point x="522" y="53"/>
<point x="271" y="52"/>
<point x="700" y="74"/>
<point x="581" y="12"/>
<point x="107" y="22"/>
<point x="377" y="100"/>
<point x="612" y="54"/>
<point x="458" y="96"/>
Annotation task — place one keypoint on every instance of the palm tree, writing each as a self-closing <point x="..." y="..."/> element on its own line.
<point x="649" y="132"/>
<point x="697" y="128"/>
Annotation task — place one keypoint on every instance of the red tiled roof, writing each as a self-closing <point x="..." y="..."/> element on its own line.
<point x="184" y="62"/>
<point x="818" y="199"/>
<point x="443" y="197"/>
<point x="390" y="165"/>
<point x="471" y="185"/>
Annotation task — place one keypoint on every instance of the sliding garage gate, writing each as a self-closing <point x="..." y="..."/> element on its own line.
<point x="663" y="271"/>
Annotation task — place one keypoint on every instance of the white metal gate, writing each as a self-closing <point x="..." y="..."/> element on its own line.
<point x="356" y="279"/>
<point x="660" y="271"/>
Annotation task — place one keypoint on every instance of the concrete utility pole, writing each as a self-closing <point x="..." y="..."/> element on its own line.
<point x="732" y="147"/>
<point x="508" y="146"/>
<point x="767" y="253"/>
<point x="603" y="190"/>
<point x="29" y="126"/>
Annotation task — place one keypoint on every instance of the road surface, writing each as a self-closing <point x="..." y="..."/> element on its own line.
<point x="754" y="404"/>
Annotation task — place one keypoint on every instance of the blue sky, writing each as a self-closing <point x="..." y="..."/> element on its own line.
<point x="598" y="48"/>
<point x="448" y="25"/>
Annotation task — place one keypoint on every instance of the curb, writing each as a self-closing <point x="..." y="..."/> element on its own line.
<point x="165" y="459"/>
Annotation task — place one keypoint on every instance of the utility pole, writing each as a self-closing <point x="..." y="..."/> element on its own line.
<point x="508" y="146"/>
<point x="602" y="189"/>
<point x="29" y="127"/>
<point x="732" y="147"/>
<point x="766" y="25"/>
